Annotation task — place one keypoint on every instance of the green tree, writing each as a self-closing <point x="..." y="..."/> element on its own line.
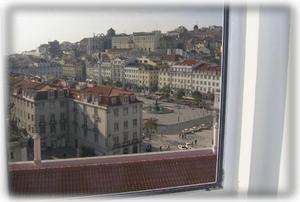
<point x="118" y="84"/>
<point x="86" y="152"/>
<point x="150" y="126"/>
<point x="166" y="90"/>
<point x="179" y="94"/>
<point x="197" y="96"/>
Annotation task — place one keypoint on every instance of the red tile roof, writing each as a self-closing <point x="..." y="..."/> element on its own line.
<point x="113" y="174"/>
<point x="106" y="91"/>
<point x="188" y="62"/>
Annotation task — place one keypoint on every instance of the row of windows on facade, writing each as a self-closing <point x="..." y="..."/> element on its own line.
<point x="193" y="82"/>
<point x="209" y="89"/>
<point x="138" y="76"/>
<point x="116" y="139"/>
<point x="140" y="82"/>
<point x="192" y="75"/>
<point x="127" y="71"/>
<point x="125" y="125"/>
<point x="52" y="128"/>
<point x="125" y="111"/>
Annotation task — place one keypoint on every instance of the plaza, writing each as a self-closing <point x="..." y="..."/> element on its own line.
<point x="170" y="125"/>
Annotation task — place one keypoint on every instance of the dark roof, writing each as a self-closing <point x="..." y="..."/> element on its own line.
<point x="113" y="174"/>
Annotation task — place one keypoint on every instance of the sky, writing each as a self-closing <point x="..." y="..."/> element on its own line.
<point x="32" y="27"/>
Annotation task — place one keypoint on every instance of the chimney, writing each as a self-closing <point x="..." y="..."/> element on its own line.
<point x="37" y="149"/>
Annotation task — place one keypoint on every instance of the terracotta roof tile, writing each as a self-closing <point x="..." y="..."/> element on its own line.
<point x="188" y="62"/>
<point x="98" y="176"/>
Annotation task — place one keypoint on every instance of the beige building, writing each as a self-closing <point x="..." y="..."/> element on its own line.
<point x="74" y="71"/>
<point x="122" y="41"/>
<point x="146" y="41"/>
<point x="191" y="76"/>
<point x="41" y="108"/>
<point x="107" y="119"/>
<point x="143" y="41"/>
<point x="141" y="75"/>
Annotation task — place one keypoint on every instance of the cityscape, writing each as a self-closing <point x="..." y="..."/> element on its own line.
<point x="116" y="94"/>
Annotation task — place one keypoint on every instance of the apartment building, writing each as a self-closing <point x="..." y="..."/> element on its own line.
<point x="41" y="108"/>
<point x="191" y="76"/>
<point x="76" y="71"/>
<point x="34" y="66"/>
<point x="107" y="119"/>
<point x="145" y="76"/>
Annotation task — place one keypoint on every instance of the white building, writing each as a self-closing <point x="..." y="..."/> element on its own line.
<point x="41" y="108"/>
<point x="191" y="76"/>
<point x="107" y="119"/>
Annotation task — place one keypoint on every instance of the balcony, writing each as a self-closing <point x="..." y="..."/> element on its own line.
<point x="42" y="123"/>
<point x="135" y="141"/>
<point x="117" y="145"/>
<point x="62" y="120"/>
<point x="126" y="143"/>
<point x="52" y="122"/>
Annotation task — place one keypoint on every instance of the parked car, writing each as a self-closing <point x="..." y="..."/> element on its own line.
<point x="185" y="146"/>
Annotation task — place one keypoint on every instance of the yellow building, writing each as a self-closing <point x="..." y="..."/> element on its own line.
<point x="142" y="75"/>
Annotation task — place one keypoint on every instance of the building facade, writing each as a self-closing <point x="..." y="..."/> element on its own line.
<point x="74" y="71"/>
<point x="191" y="76"/>
<point x="105" y="119"/>
<point x="142" y="75"/>
<point x="143" y="41"/>
<point x="41" y="108"/>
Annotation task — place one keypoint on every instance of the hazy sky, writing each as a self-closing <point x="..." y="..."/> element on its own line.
<point x="30" y="28"/>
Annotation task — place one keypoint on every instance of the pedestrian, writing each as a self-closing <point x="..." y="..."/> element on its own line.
<point x="169" y="147"/>
<point x="159" y="148"/>
<point x="195" y="142"/>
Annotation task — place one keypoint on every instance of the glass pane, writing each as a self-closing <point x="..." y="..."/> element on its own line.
<point x="115" y="81"/>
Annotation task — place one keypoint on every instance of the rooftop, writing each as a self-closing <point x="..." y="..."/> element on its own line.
<point x="103" y="175"/>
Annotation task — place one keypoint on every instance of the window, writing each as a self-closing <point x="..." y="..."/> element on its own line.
<point x="42" y="118"/>
<point x="96" y="137"/>
<point x="52" y="117"/>
<point x="134" y="135"/>
<point x="178" y="120"/>
<point x="126" y="124"/>
<point x="125" y="136"/>
<point x="62" y="104"/>
<point x="52" y="104"/>
<point x="116" y="140"/>
<point x="52" y="128"/>
<point x="63" y="127"/>
<point x="116" y="112"/>
<point x="116" y="127"/>
<point x="125" y="111"/>
<point x="62" y="116"/>
<point x="12" y="156"/>
<point x="134" y="109"/>
<point x="134" y="123"/>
